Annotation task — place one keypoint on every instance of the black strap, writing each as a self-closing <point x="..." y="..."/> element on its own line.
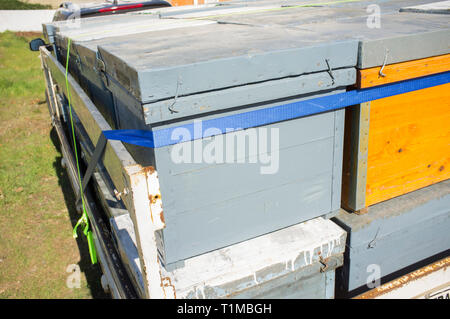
<point x="98" y="151"/>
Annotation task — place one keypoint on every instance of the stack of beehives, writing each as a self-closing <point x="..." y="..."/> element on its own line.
<point x="396" y="159"/>
<point x="230" y="221"/>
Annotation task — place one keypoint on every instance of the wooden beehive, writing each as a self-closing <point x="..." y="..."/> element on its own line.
<point x="394" y="235"/>
<point x="164" y="83"/>
<point x="148" y="73"/>
<point x="397" y="144"/>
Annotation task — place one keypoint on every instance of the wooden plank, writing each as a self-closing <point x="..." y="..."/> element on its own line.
<point x="153" y="76"/>
<point x="403" y="71"/>
<point x="354" y="174"/>
<point x="408" y="143"/>
<point x="274" y="265"/>
<point x="409" y="46"/>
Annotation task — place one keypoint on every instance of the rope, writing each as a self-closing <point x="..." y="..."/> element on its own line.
<point x="84" y="218"/>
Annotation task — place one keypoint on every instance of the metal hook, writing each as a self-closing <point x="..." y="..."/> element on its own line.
<point x="384" y="64"/>
<point x="330" y="71"/>
<point x="373" y="241"/>
<point x="175" y="98"/>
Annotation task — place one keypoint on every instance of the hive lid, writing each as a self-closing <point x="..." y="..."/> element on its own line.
<point x="178" y="56"/>
<point x="160" y="55"/>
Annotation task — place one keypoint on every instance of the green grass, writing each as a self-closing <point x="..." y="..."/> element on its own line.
<point x="21" y="5"/>
<point x="36" y="201"/>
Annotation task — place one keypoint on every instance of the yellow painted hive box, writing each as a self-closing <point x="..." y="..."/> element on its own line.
<point x="398" y="144"/>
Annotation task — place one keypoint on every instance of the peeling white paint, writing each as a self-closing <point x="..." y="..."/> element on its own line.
<point x="156" y="207"/>
<point x="234" y="263"/>
<point x="247" y="258"/>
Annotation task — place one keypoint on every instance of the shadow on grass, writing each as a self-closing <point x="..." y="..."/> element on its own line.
<point x="93" y="273"/>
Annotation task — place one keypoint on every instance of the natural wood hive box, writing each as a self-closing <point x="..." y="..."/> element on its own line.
<point x="397" y="144"/>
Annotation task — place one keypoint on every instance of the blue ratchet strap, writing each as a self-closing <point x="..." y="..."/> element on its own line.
<point x="163" y="137"/>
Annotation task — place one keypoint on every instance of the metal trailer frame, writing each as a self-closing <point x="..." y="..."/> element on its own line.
<point x="137" y="186"/>
<point x="114" y="279"/>
<point x="429" y="282"/>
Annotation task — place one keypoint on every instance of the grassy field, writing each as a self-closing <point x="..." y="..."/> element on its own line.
<point x="36" y="200"/>
<point x="22" y="5"/>
<point x="37" y="4"/>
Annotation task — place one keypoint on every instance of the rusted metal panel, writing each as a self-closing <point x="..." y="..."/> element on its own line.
<point x="429" y="282"/>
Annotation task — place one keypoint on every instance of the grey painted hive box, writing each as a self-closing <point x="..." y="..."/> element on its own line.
<point x="211" y="205"/>
<point x="395" y="234"/>
<point x="168" y="68"/>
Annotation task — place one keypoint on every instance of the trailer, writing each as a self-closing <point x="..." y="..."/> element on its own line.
<point x="429" y="282"/>
<point x="213" y="229"/>
<point x="273" y="265"/>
